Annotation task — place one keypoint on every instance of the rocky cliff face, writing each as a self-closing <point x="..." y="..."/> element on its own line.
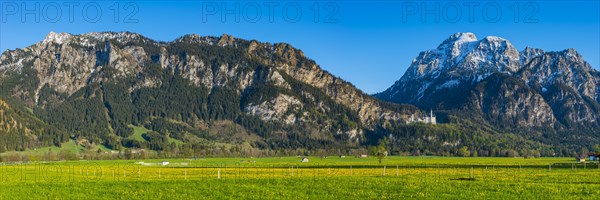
<point x="568" y="83"/>
<point x="59" y="68"/>
<point x="507" y="102"/>
<point x="293" y="63"/>
<point x="531" y="88"/>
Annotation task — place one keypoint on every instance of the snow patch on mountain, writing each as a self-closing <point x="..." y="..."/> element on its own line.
<point x="421" y="91"/>
<point x="448" y="84"/>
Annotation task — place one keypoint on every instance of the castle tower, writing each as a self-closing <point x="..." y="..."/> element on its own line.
<point x="432" y="118"/>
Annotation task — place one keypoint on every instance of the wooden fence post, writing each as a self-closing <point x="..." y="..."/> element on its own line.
<point x="472" y="172"/>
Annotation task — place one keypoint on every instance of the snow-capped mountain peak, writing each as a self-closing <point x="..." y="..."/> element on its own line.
<point x="530" y="88"/>
<point x="457" y="39"/>
<point x="458" y="44"/>
<point x="467" y="56"/>
<point x="58" y="38"/>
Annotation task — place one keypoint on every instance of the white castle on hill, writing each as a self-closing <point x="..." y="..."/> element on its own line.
<point x="428" y="120"/>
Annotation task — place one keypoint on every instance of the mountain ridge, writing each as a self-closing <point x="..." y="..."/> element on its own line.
<point x="117" y="77"/>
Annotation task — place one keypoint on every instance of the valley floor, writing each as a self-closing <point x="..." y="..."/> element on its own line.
<point x="320" y="178"/>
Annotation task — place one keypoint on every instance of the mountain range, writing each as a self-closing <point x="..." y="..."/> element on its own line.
<point x="228" y="94"/>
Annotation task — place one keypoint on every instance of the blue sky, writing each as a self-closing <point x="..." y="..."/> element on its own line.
<point x="369" y="43"/>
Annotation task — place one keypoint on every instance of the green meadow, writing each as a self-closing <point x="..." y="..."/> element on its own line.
<point x="289" y="178"/>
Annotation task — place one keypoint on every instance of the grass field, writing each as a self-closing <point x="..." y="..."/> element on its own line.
<point x="138" y="133"/>
<point x="288" y="178"/>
